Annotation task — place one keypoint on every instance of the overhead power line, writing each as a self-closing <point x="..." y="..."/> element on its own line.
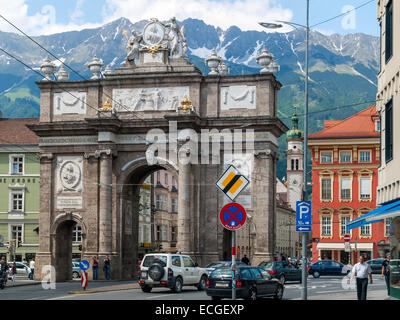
<point x="343" y="14"/>
<point x="62" y="62"/>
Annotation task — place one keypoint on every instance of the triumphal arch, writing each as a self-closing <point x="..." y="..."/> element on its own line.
<point x="100" y="138"/>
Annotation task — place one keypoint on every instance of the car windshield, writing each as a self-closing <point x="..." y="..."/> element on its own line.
<point x="267" y="265"/>
<point x="221" y="273"/>
<point x="149" y="260"/>
<point x="211" y="265"/>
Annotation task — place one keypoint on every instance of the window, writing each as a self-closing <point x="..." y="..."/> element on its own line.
<point x="326" y="157"/>
<point x="17" y="164"/>
<point x="164" y="233"/>
<point x="365" y="188"/>
<point x="343" y="221"/>
<point x="377" y="126"/>
<point x="176" y="261"/>
<point x="345" y="188"/>
<point x="187" y="262"/>
<point x="365" y="230"/>
<point x="158" y="233"/>
<point x="16" y="232"/>
<point x="174" y="205"/>
<point x="389" y="131"/>
<point x="161" y="202"/>
<point x="365" y="156"/>
<point x="345" y="156"/>
<point x="389" y="31"/>
<point x="166" y="179"/>
<point x="173" y="234"/>
<point x="17" y="200"/>
<point x="326" y="189"/>
<point x="292" y="163"/>
<point x="326" y="227"/>
<point x="77" y="234"/>
<point x="297" y="164"/>
<point x="158" y="176"/>
<point x="245" y="274"/>
<point x="257" y="274"/>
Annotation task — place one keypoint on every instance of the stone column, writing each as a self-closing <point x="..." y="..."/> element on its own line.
<point x="263" y="196"/>
<point x="184" y="236"/>
<point x="105" y="219"/>
<point x="45" y="254"/>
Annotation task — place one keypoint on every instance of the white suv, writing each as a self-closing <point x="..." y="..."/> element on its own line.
<point x="171" y="271"/>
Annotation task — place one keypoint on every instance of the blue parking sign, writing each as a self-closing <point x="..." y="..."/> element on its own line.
<point x="303" y="216"/>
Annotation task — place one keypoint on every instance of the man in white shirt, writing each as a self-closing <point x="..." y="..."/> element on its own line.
<point x="362" y="271"/>
<point x="32" y="267"/>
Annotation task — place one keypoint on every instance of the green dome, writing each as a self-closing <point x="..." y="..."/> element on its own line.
<point x="294" y="132"/>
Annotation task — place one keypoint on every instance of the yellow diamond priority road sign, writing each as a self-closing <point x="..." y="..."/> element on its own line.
<point x="232" y="182"/>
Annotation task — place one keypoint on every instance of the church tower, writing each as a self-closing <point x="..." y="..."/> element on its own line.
<point x="295" y="158"/>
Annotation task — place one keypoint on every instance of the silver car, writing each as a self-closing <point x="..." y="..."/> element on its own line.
<point x="22" y="270"/>
<point x="76" y="270"/>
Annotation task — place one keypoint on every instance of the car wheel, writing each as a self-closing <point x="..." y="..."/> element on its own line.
<point x="279" y="293"/>
<point x="282" y="279"/>
<point x="252" y="294"/>
<point x="75" y="275"/>
<point x="178" y="285"/>
<point x="202" y="284"/>
<point x="146" y="288"/>
<point x="215" y="298"/>
<point x="315" y="274"/>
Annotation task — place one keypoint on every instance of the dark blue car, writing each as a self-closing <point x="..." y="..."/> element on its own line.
<point x="328" y="268"/>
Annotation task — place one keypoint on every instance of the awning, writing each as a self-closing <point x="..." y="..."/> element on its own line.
<point x="392" y="208"/>
<point x="340" y="246"/>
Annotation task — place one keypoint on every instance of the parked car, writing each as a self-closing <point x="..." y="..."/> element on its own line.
<point x="22" y="270"/>
<point x="282" y="271"/>
<point x="251" y="283"/>
<point x="328" y="268"/>
<point x="76" y="270"/>
<point x="214" y="265"/>
<point x="376" y="265"/>
<point x="395" y="272"/>
<point x="170" y="271"/>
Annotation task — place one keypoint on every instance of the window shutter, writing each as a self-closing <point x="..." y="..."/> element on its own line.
<point x="365" y="186"/>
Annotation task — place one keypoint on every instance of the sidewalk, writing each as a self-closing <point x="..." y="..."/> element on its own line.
<point x="118" y="287"/>
<point x="21" y="283"/>
<point x="351" y="295"/>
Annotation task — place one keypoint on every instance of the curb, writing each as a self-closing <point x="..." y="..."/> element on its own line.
<point x="101" y="291"/>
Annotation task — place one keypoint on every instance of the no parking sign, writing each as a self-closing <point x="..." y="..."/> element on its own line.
<point x="233" y="216"/>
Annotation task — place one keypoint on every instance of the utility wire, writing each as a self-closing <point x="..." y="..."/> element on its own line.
<point x="343" y="14"/>
<point x="53" y="55"/>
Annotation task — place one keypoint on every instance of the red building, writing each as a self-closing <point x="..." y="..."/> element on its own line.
<point x="345" y="161"/>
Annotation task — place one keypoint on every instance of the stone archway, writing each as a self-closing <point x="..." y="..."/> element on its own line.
<point x="61" y="235"/>
<point x="133" y="174"/>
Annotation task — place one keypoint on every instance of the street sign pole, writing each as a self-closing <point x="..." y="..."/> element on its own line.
<point x="233" y="265"/>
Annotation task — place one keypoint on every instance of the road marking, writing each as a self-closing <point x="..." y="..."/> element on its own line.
<point x="334" y="291"/>
<point x="163" y="295"/>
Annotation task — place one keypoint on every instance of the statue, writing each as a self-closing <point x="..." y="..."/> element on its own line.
<point x="177" y="40"/>
<point x="133" y="46"/>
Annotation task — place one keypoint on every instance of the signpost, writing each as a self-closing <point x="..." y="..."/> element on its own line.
<point x="347" y="247"/>
<point x="233" y="215"/>
<point x="84" y="265"/>
<point x="303" y="225"/>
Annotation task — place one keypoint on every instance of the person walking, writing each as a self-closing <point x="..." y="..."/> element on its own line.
<point x="386" y="272"/>
<point x="95" y="267"/>
<point x="106" y="268"/>
<point x="13" y="272"/>
<point x="245" y="260"/>
<point x="361" y="271"/>
<point x="32" y="267"/>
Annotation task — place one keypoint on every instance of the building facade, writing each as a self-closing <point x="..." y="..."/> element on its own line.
<point x="145" y="243"/>
<point x="345" y="161"/>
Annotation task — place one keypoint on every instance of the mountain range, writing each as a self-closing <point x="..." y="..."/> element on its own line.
<point x="343" y="68"/>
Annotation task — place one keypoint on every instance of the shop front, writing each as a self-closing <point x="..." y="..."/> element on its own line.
<point x="336" y="251"/>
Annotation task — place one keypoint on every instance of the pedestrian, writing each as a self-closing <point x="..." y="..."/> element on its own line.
<point x="3" y="269"/>
<point x="32" y="267"/>
<point x="362" y="271"/>
<point x="245" y="260"/>
<point x="13" y="272"/>
<point x="106" y="268"/>
<point x="386" y="272"/>
<point x="95" y="267"/>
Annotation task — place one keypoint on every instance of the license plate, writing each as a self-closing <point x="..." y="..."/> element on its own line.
<point x="222" y="285"/>
<point x="144" y="274"/>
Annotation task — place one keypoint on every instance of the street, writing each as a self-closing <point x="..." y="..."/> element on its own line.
<point x="324" y="288"/>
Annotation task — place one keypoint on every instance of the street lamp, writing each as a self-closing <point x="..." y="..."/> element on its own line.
<point x="279" y="24"/>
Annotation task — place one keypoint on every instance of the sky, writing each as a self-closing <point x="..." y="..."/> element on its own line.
<point x="37" y="17"/>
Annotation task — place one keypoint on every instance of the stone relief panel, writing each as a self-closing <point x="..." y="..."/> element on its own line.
<point x="238" y="97"/>
<point x="149" y="99"/>
<point x="69" y="174"/>
<point x="65" y="102"/>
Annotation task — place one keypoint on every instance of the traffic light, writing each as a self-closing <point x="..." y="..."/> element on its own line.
<point x="80" y="247"/>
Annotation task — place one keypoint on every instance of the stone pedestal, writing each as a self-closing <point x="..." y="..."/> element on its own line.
<point x="184" y="236"/>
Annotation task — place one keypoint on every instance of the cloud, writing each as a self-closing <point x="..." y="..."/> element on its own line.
<point x="222" y="13"/>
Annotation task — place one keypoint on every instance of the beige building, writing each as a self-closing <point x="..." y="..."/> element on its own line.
<point x="388" y="98"/>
